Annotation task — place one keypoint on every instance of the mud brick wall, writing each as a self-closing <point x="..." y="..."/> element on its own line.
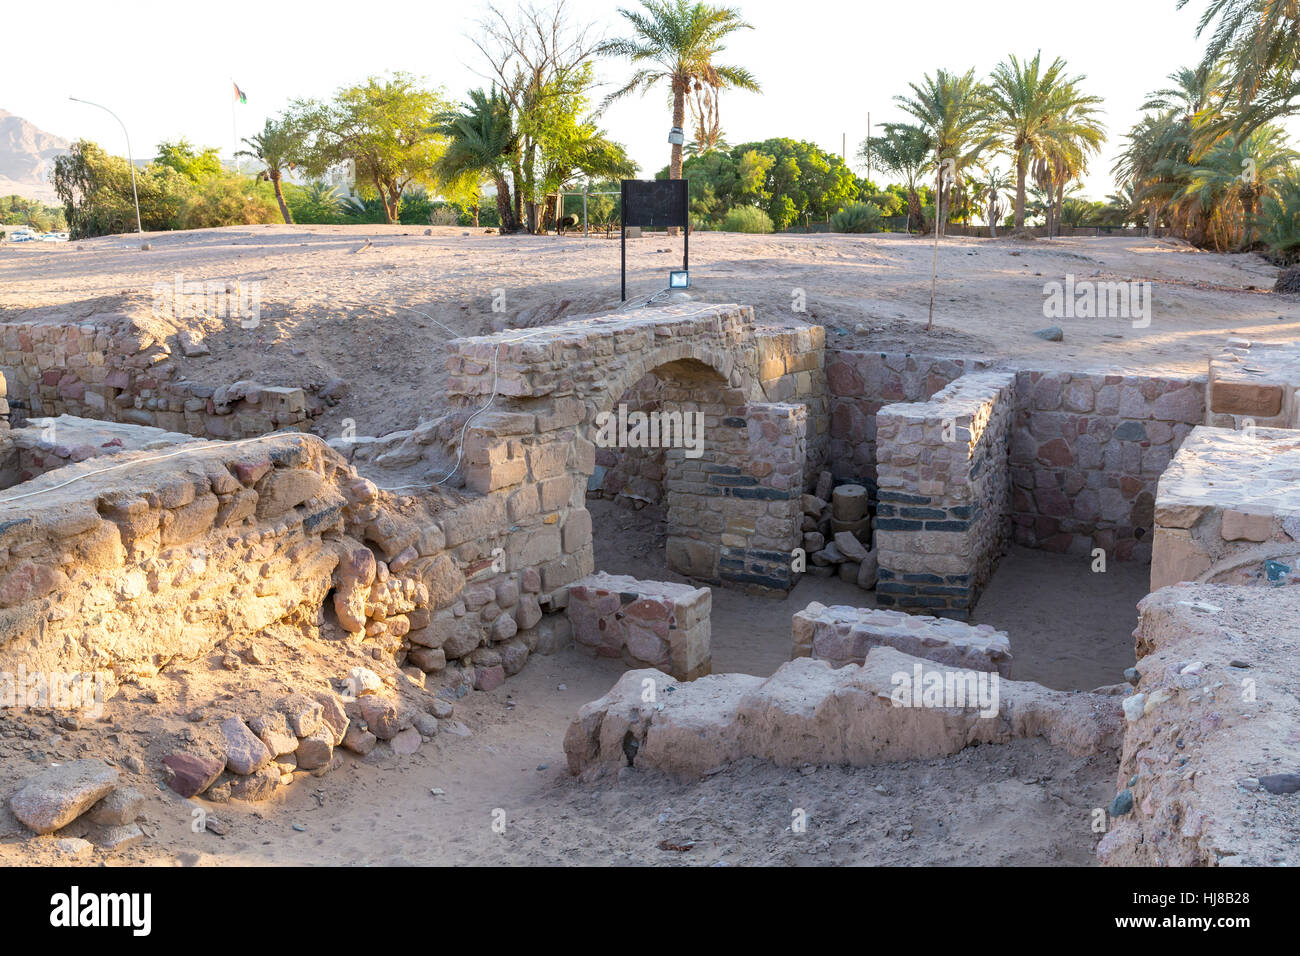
<point x="944" y="494"/>
<point x="734" y="514"/>
<point x="860" y="384"/>
<point x="1228" y="510"/>
<point x="1087" y="452"/>
<point x="844" y="635"/>
<point x="644" y="623"/>
<point x="117" y="370"/>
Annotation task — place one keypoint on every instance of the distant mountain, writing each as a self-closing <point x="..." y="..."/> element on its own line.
<point x="27" y="157"/>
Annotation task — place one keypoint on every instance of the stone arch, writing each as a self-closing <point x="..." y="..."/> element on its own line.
<point x="735" y="510"/>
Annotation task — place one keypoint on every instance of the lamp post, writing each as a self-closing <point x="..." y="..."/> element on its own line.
<point x="139" y="227"/>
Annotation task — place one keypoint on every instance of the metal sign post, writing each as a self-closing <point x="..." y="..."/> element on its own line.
<point x="654" y="203"/>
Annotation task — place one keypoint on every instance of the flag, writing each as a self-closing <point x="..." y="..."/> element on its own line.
<point x="239" y="94"/>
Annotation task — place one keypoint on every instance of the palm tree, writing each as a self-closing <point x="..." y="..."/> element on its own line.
<point x="274" y="148"/>
<point x="1229" y="183"/>
<point x="949" y="108"/>
<point x="1260" y="41"/>
<point x="481" y="140"/>
<point x="903" y="151"/>
<point x="991" y="188"/>
<point x="1023" y="99"/>
<point x="679" y="40"/>
<point x="1074" y="134"/>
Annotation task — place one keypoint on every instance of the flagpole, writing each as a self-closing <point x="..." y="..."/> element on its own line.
<point x="234" y="130"/>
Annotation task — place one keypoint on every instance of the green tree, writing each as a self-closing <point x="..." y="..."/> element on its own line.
<point x="480" y="142"/>
<point x="182" y="157"/>
<point x="276" y="149"/>
<point x="903" y="151"/>
<point x="675" y="41"/>
<point x="1259" y="43"/>
<point x="1023" y="100"/>
<point x="95" y="189"/>
<point x="949" y="107"/>
<point x="385" y="127"/>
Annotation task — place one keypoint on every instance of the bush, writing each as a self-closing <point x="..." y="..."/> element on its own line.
<point x="228" y="199"/>
<point x="747" y="219"/>
<point x="858" y="217"/>
<point x="1281" y="219"/>
<point x="891" y="204"/>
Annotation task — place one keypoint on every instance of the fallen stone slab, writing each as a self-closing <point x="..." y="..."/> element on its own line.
<point x="894" y="707"/>
<point x="58" y="795"/>
<point x="842" y="635"/>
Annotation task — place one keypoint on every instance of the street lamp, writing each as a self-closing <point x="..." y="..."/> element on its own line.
<point x="676" y="136"/>
<point x="139" y="227"/>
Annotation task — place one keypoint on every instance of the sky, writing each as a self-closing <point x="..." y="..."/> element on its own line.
<point x="167" y="68"/>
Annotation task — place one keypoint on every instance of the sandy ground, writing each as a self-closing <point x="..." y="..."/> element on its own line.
<point x="329" y="313"/>
<point x="1015" y="805"/>
<point x="378" y="318"/>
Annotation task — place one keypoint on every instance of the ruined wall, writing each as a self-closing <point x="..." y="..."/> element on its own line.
<point x="634" y="475"/>
<point x="842" y="635"/>
<point x="164" y="559"/>
<point x="1228" y="510"/>
<point x="1087" y="451"/>
<point x="860" y="384"/>
<point x="944" y="487"/>
<point x="1207" y="775"/>
<point x="117" y="369"/>
<point x="656" y="624"/>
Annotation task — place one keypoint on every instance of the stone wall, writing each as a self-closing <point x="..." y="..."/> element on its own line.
<point x="44" y="444"/>
<point x="162" y="559"/>
<point x="844" y="635"/>
<point x="1208" y="771"/>
<point x="860" y="384"/>
<point x="632" y="475"/>
<point x="644" y="623"/>
<point x="1087" y="451"/>
<point x="734" y="514"/>
<point x="1228" y="509"/>
<point x="941" y="520"/>
<point x="553" y="385"/>
<point x="1254" y="383"/>
<point x="117" y="369"/>
<point x="810" y="713"/>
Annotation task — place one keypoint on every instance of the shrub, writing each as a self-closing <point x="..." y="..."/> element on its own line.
<point x="891" y="204"/>
<point x="747" y="219"/>
<point x="1280" y="216"/>
<point x="228" y="199"/>
<point x="858" y="217"/>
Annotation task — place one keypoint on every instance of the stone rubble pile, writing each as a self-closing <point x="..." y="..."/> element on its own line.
<point x="837" y="532"/>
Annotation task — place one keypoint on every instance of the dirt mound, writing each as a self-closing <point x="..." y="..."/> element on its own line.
<point x="1288" y="281"/>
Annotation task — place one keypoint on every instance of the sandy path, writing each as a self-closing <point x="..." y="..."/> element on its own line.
<point x="331" y="313"/>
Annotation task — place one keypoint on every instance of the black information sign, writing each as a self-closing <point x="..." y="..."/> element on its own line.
<point x="655" y="204"/>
